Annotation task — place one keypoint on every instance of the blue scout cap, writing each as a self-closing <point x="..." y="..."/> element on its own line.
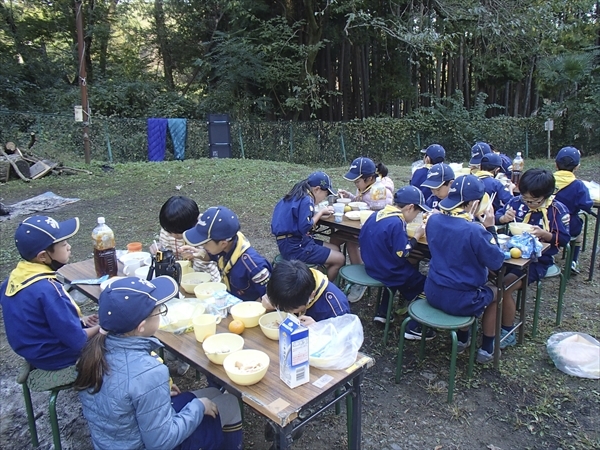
<point x="568" y="156"/>
<point x="436" y="153"/>
<point x="464" y="189"/>
<point x="37" y="233"/>
<point x="408" y="195"/>
<point x="127" y="301"/>
<point x="359" y="167"/>
<point x="492" y="159"/>
<point x="322" y="180"/>
<point x="438" y="175"/>
<point x="217" y="223"/>
<point x="477" y="152"/>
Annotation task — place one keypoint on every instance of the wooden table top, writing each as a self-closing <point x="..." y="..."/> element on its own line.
<point x="271" y="396"/>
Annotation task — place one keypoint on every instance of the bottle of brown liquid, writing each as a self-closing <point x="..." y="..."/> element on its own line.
<point x="105" y="255"/>
<point x="517" y="169"/>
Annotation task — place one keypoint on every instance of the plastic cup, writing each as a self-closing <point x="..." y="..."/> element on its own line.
<point x="205" y="325"/>
<point x="130" y="266"/>
<point x="338" y="208"/>
<point x="134" y="247"/>
<point x="338" y="217"/>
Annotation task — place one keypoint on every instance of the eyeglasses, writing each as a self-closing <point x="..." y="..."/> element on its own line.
<point x="534" y="201"/>
<point x="162" y="310"/>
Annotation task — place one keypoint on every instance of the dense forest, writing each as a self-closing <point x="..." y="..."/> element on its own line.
<point x="334" y="60"/>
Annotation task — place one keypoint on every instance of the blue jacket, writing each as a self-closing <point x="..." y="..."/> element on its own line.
<point x="461" y="253"/>
<point x="133" y="408"/>
<point x="575" y="197"/>
<point x="294" y="216"/>
<point x="331" y="301"/>
<point x="418" y="177"/>
<point x="42" y="324"/>
<point x="492" y="185"/>
<point x="384" y="247"/>
<point x="433" y="201"/>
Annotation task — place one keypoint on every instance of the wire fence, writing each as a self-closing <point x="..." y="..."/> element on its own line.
<point x="315" y="143"/>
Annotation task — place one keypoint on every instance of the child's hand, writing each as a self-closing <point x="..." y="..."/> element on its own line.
<point x="542" y="235"/>
<point x="343" y="193"/>
<point x="487" y="218"/>
<point x="210" y="409"/>
<point x="509" y="215"/>
<point x="90" y="321"/>
<point x="306" y="320"/>
<point x="175" y="390"/>
<point x="327" y="211"/>
<point x="191" y="252"/>
<point x="420" y="232"/>
<point x="266" y="303"/>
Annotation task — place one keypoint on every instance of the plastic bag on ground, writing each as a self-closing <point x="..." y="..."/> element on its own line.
<point x="334" y="342"/>
<point x="576" y="354"/>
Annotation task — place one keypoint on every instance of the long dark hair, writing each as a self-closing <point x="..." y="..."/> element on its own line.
<point x="299" y="190"/>
<point x="91" y="365"/>
<point x="382" y="170"/>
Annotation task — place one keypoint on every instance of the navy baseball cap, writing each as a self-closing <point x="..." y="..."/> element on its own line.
<point x="568" y="156"/>
<point x="217" y="223"/>
<point x="408" y="195"/>
<point x="322" y="180"/>
<point x="436" y="153"/>
<point x="493" y="159"/>
<point x="127" y="301"/>
<point x="464" y="189"/>
<point x="359" y="167"/>
<point x="437" y="175"/>
<point x="477" y="152"/>
<point x="37" y="233"/>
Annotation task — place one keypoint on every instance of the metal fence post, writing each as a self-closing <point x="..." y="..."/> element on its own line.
<point x="291" y="140"/>
<point x="343" y="146"/>
<point x="241" y="140"/>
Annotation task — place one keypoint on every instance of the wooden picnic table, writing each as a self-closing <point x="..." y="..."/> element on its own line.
<point x="271" y="397"/>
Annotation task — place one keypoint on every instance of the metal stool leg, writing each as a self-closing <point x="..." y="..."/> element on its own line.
<point x="30" y="416"/>
<point x="536" y="311"/>
<point x="472" y="349"/>
<point x="54" y="420"/>
<point x="452" y="366"/>
<point x="401" y="350"/>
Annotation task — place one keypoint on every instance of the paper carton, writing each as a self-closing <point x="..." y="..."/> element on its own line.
<point x="293" y="352"/>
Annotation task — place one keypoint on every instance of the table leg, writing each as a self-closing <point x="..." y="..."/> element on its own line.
<point x="355" y="436"/>
<point x="524" y="283"/>
<point x="499" y="301"/>
<point x="595" y="245"/>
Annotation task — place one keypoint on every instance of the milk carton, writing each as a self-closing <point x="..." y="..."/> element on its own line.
<point x="293" y="352"/>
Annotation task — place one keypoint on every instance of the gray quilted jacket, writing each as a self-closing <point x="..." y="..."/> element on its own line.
<point x="133" y="408"/>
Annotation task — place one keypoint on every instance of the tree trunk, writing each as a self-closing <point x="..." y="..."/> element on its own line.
<point x="528" y="89"/>
<point x="161" y="34"/>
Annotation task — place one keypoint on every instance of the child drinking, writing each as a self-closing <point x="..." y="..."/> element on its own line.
<point x="125" y="391"/>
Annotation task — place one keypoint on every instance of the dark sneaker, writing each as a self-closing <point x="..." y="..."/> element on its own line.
<point x="413" y="332"/>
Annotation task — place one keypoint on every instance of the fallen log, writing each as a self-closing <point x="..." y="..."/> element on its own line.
<point x="11" y="161"/>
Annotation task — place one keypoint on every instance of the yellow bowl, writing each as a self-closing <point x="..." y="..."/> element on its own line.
<point x="269" y="324"/>
<point x="189" y="281"/>
<point x="519" y="228"/>
<point x="356" y="205"/>
<point x="483" y="204"/>
<point x="411" y="227"/>
<point x="246" y="367"/>
<point x="219" y="346"/>
<point x="248" y="312"/>
<point x="206" y="290"/>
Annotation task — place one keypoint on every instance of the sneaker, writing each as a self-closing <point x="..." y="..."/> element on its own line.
<point x="462" y="346"/>
<point x="510" y="340"/>
<point x="413" y="332"/>
<point x="182" y="368"/>
<point x="381" y="319"/>
<point x="484" y="357"/>
<point x="356" y="293"/>
<point x="575" y="268"/>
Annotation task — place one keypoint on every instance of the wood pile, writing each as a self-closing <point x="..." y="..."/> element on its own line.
<point x="25" y="165"/>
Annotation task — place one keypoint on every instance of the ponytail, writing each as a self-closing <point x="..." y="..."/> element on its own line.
<point x="91" y="365"/>
<point x="382" y="170"/>
<point x="299" y="190"/>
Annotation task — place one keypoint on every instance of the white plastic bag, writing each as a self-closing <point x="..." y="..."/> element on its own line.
<point x="576" y="354"/>
<point x="334" y="342"/>
<point x="180" y="314"/>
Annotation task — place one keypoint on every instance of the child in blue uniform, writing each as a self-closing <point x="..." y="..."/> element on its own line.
<point x="294" y="217"/>
<point x="385" y="248"/>
<point x="434" y="154"/>
<point x="477" y="152"/>
<point x="572" y="193"/>
<point x="244" y="271"/>
<point x="550" y="219"/>
<point x="462" y="252"/>
<point x="298" y="289"/>
<point x="43" y="324"/>
<point x="490" y="166"/>
<point x="439" y="178"/>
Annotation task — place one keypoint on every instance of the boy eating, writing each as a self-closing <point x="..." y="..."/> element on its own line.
<point x="439" y="179"/>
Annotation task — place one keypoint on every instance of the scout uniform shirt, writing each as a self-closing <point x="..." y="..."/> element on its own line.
<point x="572" y="193"/>
<point x="329" y="301"/>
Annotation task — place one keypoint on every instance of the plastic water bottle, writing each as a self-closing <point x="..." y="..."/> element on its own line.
<point x="517" y="169"/>
<point x="378" y="195"/>
<point x="105" y="254"/>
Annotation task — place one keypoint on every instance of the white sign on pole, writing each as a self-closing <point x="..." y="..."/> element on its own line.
<point x="78" y="113"/>
<point x="549" y="125"/>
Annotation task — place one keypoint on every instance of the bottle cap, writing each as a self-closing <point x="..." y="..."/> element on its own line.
<point x="101" y="220"/>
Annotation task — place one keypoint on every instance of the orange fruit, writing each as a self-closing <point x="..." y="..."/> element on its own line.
<point x="237" y="326"/>
<point x="515" y="253"/>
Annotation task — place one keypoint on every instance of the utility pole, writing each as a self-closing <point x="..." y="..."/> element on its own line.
<point x="82" y="80"/>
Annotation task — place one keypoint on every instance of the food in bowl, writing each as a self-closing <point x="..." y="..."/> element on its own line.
<point x="218" y="346"/>
<point x="189" y="281"/>
<point x="269" y="324"/>
<point x="206" y="290"/>
<point x="357" y="205"/>
<point x="248" y="312"/>
<point x="353" y="215"/>
<point x="246" y="367"/>
<point x="517" y="228"/>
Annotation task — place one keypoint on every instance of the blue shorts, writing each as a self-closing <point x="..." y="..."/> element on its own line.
<point x="208" y="435"/>
<point x="459" y="303"/>
<point x="306" y="249"/>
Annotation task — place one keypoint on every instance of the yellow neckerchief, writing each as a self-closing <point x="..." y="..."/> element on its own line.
<point x="241" y="246"/>
<point x="26" y="273"/>
<point x="389" y="211"/>
<point x="321" y="282"/>
<point x="359" y="196"/>
<point x="543" y="208"/>
<point x="484" y="174"/>
<point x="458" y="212"/>
<point x="563" y="179"/>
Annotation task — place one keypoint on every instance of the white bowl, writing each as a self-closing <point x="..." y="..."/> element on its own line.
<point x="143" y="257"/>
<point x="142" y="272"/>
<point x="246" y="367"/>
<point x="343" y="200"/>
<point x="517" y="228"/>
<point x="206" y="290"/>
<point x="357" y="205"/>
<point x="269" y="324"/>
<point x="248" y="312"/>
<point x="353" y="215"/>
<point x="219" y="346"/>
<point x="189" y="281"/>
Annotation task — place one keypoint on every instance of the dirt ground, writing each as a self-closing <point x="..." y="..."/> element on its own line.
<point x="527" y="404"/>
